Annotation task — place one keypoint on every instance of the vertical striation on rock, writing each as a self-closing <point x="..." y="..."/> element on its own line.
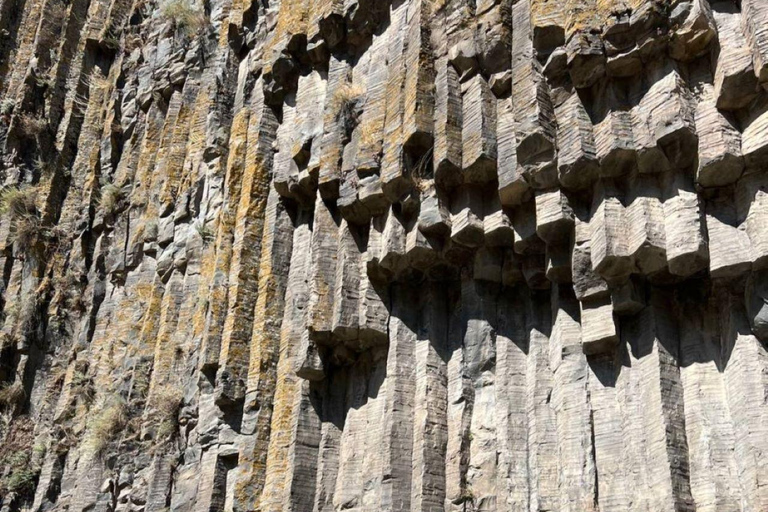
<point x="363" y="255"/>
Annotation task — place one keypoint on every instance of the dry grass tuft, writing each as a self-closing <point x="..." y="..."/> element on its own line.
<point x="19" y="459"/>
<point x="18" y="202"/>
<point x="108" y="417"/>
<point x="345" y="102"/>
<point x="31" y="125"/>
<point x="187" y="16"/>
<point x="20" y="205"/>
<point x="110" y="197"/>
<point x="12" y="394"/>
<point x="422" y="173"/>
<point x="26" y="230"/>
<point x="82" y="387"/>
<point x="205" y="232"/>
<point x="167" y="406"/>
<point x="98" y="81"/>
<point x="7" y="105"/>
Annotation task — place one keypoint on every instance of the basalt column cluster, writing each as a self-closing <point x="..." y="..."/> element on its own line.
<point x="384" y="255"/>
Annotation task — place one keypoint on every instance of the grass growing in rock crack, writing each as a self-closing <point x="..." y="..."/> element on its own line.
<point x="31" y="125"/>
<point x="19" y="204"/>
<point x="19" y="459"/>
<point x="7" y="105"/>
<point x="345" y="102"/>
<point x="21" y="474"/>
<point x="110" y="198"/>
<point x="42" y="167"/>
<point x="167" y="405"/>
<point x="98" y="81"/>
<point x="12" y="394"/>
<point x="82" y="387"/>
<point x="421" y="173"/>
<point x="205" y="232"/>
<point x="107" y="418"/>
<point x="187" y="16"/>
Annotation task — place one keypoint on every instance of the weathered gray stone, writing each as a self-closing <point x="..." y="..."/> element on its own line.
<point x="356" y="255"/>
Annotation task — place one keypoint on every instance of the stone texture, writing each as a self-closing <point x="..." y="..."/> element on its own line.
<point x="362" y="255"/>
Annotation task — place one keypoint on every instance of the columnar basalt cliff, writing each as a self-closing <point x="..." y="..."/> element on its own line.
<point x="374" y="255"/>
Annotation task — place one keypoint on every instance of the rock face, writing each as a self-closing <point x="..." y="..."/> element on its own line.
<point x="372" y="255"/>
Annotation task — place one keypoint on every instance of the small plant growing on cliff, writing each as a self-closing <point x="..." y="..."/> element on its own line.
<point x="421" y="173"/>
<point x="17" y="202"/>
<point x="19" y="205"/>
<point x="41" y="167"/>
<point x="467" y="495"/>
<point x="98" y="81"/>
<point x="109" y="416"/>
<point x="31" y="125"/>
<point x="345" y="102"/>
<point x="12" y="394"/>
<point x="7" y="105"/>
<point x="167" y="405"/>
<point x="110" y="39"/>
<point x="19" y="460"/>
<point x="187" y="16"/>
<point x="21" y="475"/>
<point x="82" y="387"/>
<point x="110" y="197"/>
<point x="205" y="232"/>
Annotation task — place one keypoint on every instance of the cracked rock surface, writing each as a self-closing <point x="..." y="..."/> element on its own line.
<point x="384" y="255"/>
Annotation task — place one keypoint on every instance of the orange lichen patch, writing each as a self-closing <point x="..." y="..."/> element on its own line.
<point x="435" y="5"/>
<point x="375" y="100"/>
<point x="148" y="153"/>
<point x="215" y="272"/>
<point x="267" y="317"/>
<point x="371" y="141"/>
<point x="197" y="130"/>
<point x="25" y="40"/>
<point x="613" y="11"/>
<point x="581" y="16"/>
<point x="207" y="270"/>
<point x="175" y="154"/>
<point x="319" y="10"/>
<point x="609" y="8"/>
<point x="547" y="12"/>
<point x="101" y="345"/>
<point x="164" y="348"/>
<point x="291" y="20"/>
<point x="235" y="18"/>
<point x="181" y="341"/>
<point x="248" y="232"/>
<point x="657" y="4"/>
<point x="287" y="397"/>
<point x="238" y="145"/>
<point x="278" y="459"/>
<point x="201" y="311"/>
<point x="224" y="34"/>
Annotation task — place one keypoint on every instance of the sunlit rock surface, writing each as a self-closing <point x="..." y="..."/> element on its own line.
<point x="371" y="255"/>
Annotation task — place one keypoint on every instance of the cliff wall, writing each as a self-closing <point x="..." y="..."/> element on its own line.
<point x="368" y="255"/>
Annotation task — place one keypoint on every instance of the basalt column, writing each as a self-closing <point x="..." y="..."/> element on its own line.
<point x="384" y="255"/>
